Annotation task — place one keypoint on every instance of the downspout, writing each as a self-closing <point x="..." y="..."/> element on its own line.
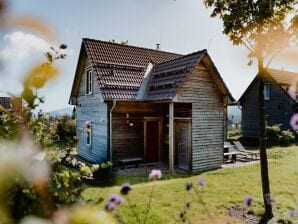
<point x="111" y="131"/>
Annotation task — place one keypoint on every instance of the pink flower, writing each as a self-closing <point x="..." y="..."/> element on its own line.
<point x="155" y="174"/>
<point x="294" y="122"/>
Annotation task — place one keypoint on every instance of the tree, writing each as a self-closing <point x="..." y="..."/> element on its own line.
<point x="265" y="28"/>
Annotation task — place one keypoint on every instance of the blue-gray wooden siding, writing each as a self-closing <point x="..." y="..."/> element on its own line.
<point x="91" y="108"/>
<point x="278" y="109"/>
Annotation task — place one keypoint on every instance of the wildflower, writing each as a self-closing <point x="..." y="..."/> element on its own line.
<point x="125" y="188"/>
<point x="115" y="198"/>
<point x="248" y="201"/>
<point x="201" y="181"/>
<point x="269" y="199"/>
<point x="188" y="186"/>
<point x="110" y="206"/>
<point x="114" y="201"/>
<point x="294" y="122"/>
<point x="155" y="174"/>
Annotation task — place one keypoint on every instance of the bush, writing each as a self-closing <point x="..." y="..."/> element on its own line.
<point x="272" y="133"/>
<point x="286" y="138"/>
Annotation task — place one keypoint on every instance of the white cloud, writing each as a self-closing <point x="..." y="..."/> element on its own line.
<point x="20" y="45"/>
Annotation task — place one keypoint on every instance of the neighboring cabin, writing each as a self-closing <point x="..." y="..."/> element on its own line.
<point x="159" y="106"/>
<point x="280" y="105"/>
<point x="5" y="102"/>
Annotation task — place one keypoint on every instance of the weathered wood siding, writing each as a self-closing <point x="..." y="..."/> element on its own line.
<point x="278" y="109"/>
<point x="91" y="108"/>
<point x="207" y="118"/>
<point x="127" y="141"/>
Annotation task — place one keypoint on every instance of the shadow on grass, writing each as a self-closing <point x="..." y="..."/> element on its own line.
<point x="107" y="178"/>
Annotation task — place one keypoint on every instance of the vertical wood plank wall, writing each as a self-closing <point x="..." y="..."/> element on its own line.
<point x="278" y="110"/>
<point x="90" y="108"/>
<point x="207" y="118"/>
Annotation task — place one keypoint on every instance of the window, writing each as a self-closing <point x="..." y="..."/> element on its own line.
<point x="267" y="91"/>
<point x="89" y="134"/>
<point x="89" y="82"/>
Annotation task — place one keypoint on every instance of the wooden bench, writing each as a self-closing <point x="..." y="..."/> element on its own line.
<point x="130" y="161"/>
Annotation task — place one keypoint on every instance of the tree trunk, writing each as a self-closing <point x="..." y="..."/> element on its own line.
<point x="262" y="141"/>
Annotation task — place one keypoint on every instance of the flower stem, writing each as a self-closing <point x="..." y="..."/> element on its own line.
<point x="135" y="214"/>
<point x="201" y="201"/>
<point x="149" y="204"/>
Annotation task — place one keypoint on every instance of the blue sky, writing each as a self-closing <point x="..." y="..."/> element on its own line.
<point x="181" y="26"/>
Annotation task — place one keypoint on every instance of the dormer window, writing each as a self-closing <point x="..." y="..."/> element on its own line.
<point x="89" y="83"/>
<point x="267" y="91"/>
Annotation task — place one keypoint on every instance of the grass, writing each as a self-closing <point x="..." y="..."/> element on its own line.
<point x="224" y="188"/>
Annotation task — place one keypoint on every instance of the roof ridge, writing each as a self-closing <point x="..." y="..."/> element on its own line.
<point x="131" y="46"/>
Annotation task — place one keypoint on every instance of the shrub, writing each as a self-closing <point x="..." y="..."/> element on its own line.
<point x="286" y="138"/>
<point x="272" y="134"/>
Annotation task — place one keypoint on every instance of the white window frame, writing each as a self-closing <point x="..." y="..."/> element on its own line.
<point x="89" y="130"/>
<point x="267" y="91"/>
<point x="89" y="82"/>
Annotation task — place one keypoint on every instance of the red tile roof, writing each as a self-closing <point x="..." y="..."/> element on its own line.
<point x="119" y="68"/>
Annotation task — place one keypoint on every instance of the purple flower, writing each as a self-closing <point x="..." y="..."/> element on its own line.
<point x="114" y="201"/>
<point x="201" y="181"/>
<point x="115" y="198"/>
<point x="110" y="206"/>
<point x="269" y="200"/>
<point x="294" y="122"/>
<point x="248" y="201"/>
<point x="188" y="186"/>
<point x="125" y="188"/>
<point x="155" y="174"/>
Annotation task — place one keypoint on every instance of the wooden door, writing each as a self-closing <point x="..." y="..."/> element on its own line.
<point x="152" y="143"/>
<point x="183" y="143"/>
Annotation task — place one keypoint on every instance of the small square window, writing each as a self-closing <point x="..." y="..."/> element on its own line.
<point x="267" y="91"/>
<point x="89" y="134"/>
<point x="89" y="82"/>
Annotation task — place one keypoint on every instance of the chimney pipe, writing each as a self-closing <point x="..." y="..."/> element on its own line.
<point x="157" y="46"/>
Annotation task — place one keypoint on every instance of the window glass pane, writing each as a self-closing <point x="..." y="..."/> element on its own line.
<point x="266" y="92"/>
<point x="88" y="134"/>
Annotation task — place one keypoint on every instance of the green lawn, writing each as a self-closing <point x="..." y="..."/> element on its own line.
<point x="224" y="188"/>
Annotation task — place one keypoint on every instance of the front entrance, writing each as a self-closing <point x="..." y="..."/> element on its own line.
<point x="152" y="140"/>
<point x="183" y="143"/>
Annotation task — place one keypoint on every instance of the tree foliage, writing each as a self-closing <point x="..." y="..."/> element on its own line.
<point x="264" y="27"/>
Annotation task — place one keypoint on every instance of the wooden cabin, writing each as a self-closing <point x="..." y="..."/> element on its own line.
<point x="134" y="102"/>
<point x="280" y="102"/>
<point x="5" y="102"/>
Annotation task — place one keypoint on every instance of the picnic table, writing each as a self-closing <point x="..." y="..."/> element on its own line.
<point x="227" y="154"/>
